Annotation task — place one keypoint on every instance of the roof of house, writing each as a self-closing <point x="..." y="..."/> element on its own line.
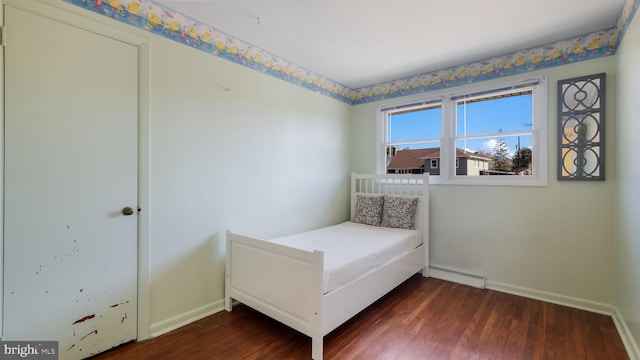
<point x="415" y="158"/>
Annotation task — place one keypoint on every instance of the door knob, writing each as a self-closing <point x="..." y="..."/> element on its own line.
<point x="127" y="211"/>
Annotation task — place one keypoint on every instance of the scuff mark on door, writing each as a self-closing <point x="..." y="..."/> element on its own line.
<point x="91" y="333"/>
<point x="88" y="317"/>
<point x="122" y="303"/>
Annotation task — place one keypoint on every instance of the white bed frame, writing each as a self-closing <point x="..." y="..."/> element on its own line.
<point x="286" y="283"/>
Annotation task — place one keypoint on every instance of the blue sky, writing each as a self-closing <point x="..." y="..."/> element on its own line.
<point x="482" y="118"/>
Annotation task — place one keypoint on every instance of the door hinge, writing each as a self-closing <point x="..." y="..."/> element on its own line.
<point x="3" y="36"/>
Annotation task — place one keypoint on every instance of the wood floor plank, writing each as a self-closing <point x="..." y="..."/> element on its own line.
<point x="423" y="318"/>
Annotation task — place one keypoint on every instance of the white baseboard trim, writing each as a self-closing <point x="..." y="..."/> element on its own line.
<point x="172" y="323"/>
<point x="592" y="306"/>
<point x="457" y="276"/>
<point x="629" y="342"/>
<point x="577" y="303"/>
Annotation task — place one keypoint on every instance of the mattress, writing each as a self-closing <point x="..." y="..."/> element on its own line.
<point x="352" y="250"/>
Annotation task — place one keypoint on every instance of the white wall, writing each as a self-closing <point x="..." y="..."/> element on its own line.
<point x="232" y="148"/>
<point x="556" y="239"/>
<point x="628" y="176"/>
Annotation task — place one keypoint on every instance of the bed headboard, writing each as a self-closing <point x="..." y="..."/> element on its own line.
<point x="403" y="185"/>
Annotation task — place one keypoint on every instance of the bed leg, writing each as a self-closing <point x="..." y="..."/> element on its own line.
<point x="316" y="347"/>
<point x="228" y="303"/>
<point x="425" y="271"/>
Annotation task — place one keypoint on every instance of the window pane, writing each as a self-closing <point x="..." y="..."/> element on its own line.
<point x="494" y="156"/>
<point x="491" y="114"/>
<point x="414" y="159"/>
<point x="413" y="125"/>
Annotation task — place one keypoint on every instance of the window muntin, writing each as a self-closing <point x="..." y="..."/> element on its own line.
<point x="468" y="140"/>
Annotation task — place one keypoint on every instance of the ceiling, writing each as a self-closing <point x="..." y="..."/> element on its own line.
<point x="359" y="43"/>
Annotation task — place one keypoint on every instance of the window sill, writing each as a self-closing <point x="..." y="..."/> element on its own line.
<point x="489" y="181"/>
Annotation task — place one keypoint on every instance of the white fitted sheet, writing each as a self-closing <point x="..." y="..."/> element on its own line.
<point x="352" y="250"/>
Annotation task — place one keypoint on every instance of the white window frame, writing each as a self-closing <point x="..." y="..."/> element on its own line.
<point x="432" y="162"/>
<point x="447" y="175"/>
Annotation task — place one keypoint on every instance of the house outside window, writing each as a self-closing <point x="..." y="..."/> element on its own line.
<point x="487" y="136"/>
<point x="414" y="160"/>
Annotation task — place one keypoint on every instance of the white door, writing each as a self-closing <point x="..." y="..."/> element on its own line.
<point x="71" y="162"/>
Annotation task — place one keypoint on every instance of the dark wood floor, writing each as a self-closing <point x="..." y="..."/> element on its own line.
<point x="421" y="319"/>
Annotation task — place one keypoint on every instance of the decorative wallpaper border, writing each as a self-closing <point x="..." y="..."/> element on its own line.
<point x="155" y="18"/>
<point x="628" y="12"/>
<point x="152" y="17"/>
<point x="591" y="46"/>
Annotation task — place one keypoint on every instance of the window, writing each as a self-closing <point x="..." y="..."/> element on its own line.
<point x="413" y="134"/>
<point x="488" y="136"/>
